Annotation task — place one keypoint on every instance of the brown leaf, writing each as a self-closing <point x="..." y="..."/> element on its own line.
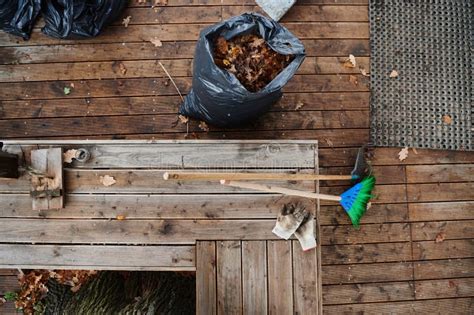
<point x="440" y="237"/>
<point x="126" y="20"/>
<point x="353" y="79"/>
<point x="203" y="126"/>
<point x="393" y="74"/>
<point x="403" y="154"/>
<point x="299" y="105"/>
<point x="364" y="72"/>
<point x="107" y="180"/>
<point x="183" y="119"/>
<point x="120" y="217"/>
<point x="69" y="155"/>
<point x="155" y="41"/>
<point x="350" y="62"/>
<point x="329" y="142"/>
<point x="447" y="119"/>
<point x="122" y="68"/>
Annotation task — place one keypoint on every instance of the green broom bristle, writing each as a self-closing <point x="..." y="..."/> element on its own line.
<point x="355" y="200"/>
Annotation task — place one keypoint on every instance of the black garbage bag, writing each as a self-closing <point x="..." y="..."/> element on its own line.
<point x="18" y="16"/>
<point x="217" y="96"/>
<point x="74" y="19"/>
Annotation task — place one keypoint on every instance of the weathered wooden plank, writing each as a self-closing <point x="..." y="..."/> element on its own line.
<point x="369" y="233"/>
<point x="206" y="291"/>
<point x="308" y="13"/>
<point x="389" y="156"/>
<point x="446" y="268"/>
<point x="280" y="281"/>
<point x="229" y="277"/>
<point x="366" y="253"/>
<point x="170" y="32"/>
<point x="147" y="69"/>
<point x="441" y="211"/>
<point x="446" y="288"/>
<point x="132" y="231"/>
<point x="378" y="213"/>
<point x="451" y="230"/>
<point x="441" y="306"/>
<point x="305" y="281"/>
<point x="426" y="250"/>
<point x="254" y="277"/>
<point x="48" y="127"/>
<point x="158" y="86"/>
<point x="362" y="273"/>
<point x="440" y="173"/>
<point x="440" y="192"/>
<point x="367" y="292"/>
<point x="250" y="154"/>
<point x="8" y="272"/>
<point x="8" y="284"/>
<point x="202" y="206"/>
<point x="97" y="257"/>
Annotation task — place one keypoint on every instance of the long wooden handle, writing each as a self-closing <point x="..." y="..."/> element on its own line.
<point x="280" y="190"/>
<point x="250" y="176"/>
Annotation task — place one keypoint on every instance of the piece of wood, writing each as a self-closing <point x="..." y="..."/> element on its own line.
<point x="366" y="253"/>
<point x="249" y="176"/>
<point x="362" y="273"/>
<point x="254" y="277"/>
<point x="132" y="231"/>
<point x="280" y="277"/>
<point x="446" y="268"/>
<point x="281" y="190"/>
<point x="445" y="288"/>
<point x="229" y="277"/>
<point x="206" y="282"/>
<point x="47" y="177"/>
<point x="305" y="284"/>
<point x="8" y="165"/>
<point x="97" y="257"/>
<point x="367" y="292"/>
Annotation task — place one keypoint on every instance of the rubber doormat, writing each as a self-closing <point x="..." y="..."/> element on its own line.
<point x="421" y="73"/>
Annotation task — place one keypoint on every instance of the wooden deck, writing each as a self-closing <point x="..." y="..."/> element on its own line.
<point x="392" y="264"/>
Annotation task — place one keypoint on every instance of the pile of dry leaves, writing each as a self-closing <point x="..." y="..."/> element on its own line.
<point x="33" y="286"/>
<point x="252" y="61"/>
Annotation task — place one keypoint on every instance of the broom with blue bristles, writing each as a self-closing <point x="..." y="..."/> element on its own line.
<point x="354" y="200"/>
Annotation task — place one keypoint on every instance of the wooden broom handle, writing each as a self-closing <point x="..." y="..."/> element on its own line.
<point x="280" y="190"/>
<point x="250" y="176"/>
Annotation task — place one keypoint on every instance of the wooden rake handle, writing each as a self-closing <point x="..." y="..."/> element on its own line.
<point x="250" y="176"/>
<point x="280" y="190"/>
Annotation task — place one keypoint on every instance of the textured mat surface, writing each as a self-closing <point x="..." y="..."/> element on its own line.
<point x="421" y="73"/>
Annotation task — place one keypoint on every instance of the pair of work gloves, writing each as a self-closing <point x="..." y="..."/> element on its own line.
<point x="295" y="219"/>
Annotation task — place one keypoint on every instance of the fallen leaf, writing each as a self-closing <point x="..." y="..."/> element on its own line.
<point x="353" y="80"/>
<point x="452" y="284"/>
<point x="440" y="237"/>
<point x="122" y="68"/>
<point x="183" y="119"/>
<point x="364" y="72"/>
<point x="299" y="105"/>
<point x="447" y="119"/>
<point x="203" y="126"/>
<point x="350" y="62"/>
<point x="107" y="180"/>
<point x="414" y="150"/>
<point x="155" y="41"/>
<point x="2" y="301"/>
<point x="120" y="217"/>
<point x="126" y="20"/>
<point x="403" y="154"/>
<point x="69" y="155"/>
<point x="369" y="205"/>
<point x="329" y="142"/>
<point x="393" y="74"/>
<point x="67" y="90"/>
<point x="72" y="85"/>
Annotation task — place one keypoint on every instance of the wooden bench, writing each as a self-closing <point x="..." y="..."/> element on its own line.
<point x="143" y="222"/>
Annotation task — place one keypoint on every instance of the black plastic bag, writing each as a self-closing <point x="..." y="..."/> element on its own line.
<point x="18" y="16"/>
<point x="217" y="96"/>
<point x="70" y="19"/>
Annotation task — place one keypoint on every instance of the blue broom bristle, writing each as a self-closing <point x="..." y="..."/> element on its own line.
<point x="355" y="199"/>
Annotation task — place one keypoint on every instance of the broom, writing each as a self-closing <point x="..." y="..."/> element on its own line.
<point x="354" y="200"/>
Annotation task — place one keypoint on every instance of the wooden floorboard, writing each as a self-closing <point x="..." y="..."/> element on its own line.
<point x="392" y="264"/>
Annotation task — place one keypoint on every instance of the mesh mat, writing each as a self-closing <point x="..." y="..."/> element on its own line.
<point x="429" y="44"/>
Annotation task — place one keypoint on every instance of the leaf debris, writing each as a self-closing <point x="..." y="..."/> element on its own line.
<point x="69" y="155"/>
<point x="353" y="79"/>
<point x="299" y="105"/>
<point x="447" y="119"/>
<point x="126" y="21"/>
<point x="67" y="90"/>
<point x="155" y="41"/>
<point x="107" y="180"/>
<point x="440" y="237"/>
<point x="393" y="74"/>
<point x="203" y="126"/>
<point x="350" y="62"/>
<point x="403" y="154"/>
<point x="120" y="217"/>
<point x="183" y="119"/>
